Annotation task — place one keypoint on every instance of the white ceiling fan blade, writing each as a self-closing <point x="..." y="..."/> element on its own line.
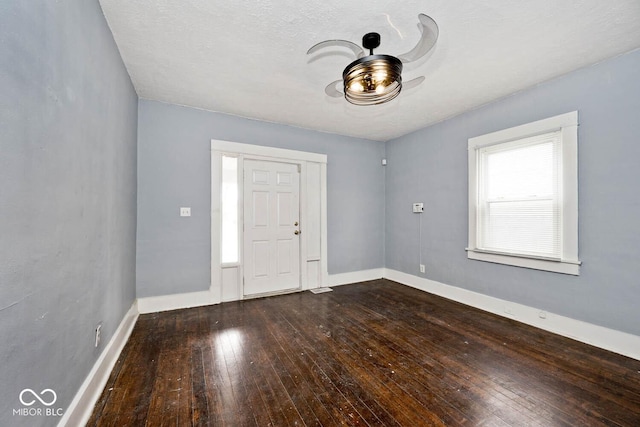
<point x="357" y="50"/>
<point x="412" y="83"/>
<point x="332" y="91"/>
<point x="430" y="32"/>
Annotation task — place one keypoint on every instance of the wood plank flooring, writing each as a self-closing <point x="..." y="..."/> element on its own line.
<point x="369" y="354"/>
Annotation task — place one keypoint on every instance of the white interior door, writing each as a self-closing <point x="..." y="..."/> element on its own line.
<point x="271" y="227"/>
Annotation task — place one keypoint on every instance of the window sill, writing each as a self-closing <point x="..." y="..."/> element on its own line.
<point x="564" y="267"/>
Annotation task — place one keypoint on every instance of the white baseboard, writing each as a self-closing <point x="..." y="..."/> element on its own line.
<point x="174" y="302"/>
<point x="608" y="339"/>
<point x="354" y="277"/>
<point x="81" y="407"/>
<point x="197" y="299"/>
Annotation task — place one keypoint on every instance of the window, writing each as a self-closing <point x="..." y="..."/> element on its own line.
<point x="229" y="195"/>
<point x="523" y="196"/>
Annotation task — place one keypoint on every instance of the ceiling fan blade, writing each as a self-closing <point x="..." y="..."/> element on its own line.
<point x="332" y="91"/>
<point x="430" y="32"/>
<point x="357" y="50"/>
<point x="412" y="83"/>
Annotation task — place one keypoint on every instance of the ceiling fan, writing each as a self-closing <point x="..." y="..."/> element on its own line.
<point x="376" y="79"/>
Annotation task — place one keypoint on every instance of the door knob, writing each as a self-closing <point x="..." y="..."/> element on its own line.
<point x="297" y="232"/>
<point x="295" y="223"/>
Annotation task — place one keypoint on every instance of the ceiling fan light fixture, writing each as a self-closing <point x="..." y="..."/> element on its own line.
<point x="372" y="80"/>
<point x="376" y="79"/>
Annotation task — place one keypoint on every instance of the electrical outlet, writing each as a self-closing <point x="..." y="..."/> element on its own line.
<point x="98" y="332"/>
<point x="422" y="269"/>
<point x="185" y="211"/>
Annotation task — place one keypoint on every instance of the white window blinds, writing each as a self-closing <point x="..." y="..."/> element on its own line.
<point x="519" y="197"/>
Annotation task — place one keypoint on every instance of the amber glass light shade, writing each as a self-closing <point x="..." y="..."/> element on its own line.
<point x="374" y="79"/>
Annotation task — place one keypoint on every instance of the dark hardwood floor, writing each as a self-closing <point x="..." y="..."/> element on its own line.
<point x="376" y="353"/>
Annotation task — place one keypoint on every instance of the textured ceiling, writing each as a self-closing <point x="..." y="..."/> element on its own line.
<point x="249" y="58"/>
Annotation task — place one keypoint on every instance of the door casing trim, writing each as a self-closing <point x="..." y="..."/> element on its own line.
<point x="226" y="280"/>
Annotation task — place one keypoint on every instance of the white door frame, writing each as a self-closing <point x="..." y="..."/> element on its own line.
<point x="226" y="280"/>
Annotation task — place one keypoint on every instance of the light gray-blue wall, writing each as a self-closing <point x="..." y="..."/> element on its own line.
<point x="68" y="115"/>
<point x="430" y="166"/>
<point x="174" y="170"/>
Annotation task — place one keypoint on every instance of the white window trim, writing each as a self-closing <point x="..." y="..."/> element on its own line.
<point x="568" y="125"/>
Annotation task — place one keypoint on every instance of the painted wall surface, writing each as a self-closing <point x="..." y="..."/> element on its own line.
<point x="430" y="166"/>
<point x="68" y="116"/>
<point x="174" y="170"/>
